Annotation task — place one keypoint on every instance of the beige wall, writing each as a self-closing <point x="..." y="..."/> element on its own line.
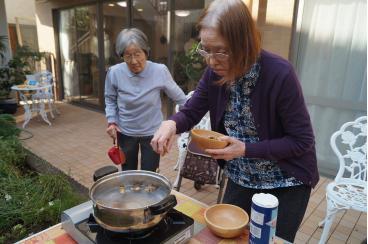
<point x="44" y="21"/>
<point x="45" y="30"/>
<point x="274" y="19"/>
<point x="20" y="15"/>
<point x="24" y="10"/>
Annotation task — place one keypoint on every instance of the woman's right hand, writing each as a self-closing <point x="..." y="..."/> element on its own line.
<point x="164" y="137"/>
<point x="111" y="130"/>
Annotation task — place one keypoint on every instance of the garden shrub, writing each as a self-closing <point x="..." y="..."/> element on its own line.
<point x="28" y="204"/>
<point x="7" y="126"/>
<point x="11" y="152"/>
<point x="29" y="201"/>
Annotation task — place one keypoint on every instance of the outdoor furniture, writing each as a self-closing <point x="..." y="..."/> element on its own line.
<point x="46" y="95"/>
<point x="182" y="140"/>
<point x="35" y="94"/>
<point x="349" y="189"/>
<point x="183" y="143"/>
<point x="29" y="105"/>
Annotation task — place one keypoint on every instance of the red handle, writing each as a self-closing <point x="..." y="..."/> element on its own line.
<point x="116" y="155"/>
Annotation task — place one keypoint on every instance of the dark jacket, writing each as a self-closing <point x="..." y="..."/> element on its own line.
<point x="280" y="115"/>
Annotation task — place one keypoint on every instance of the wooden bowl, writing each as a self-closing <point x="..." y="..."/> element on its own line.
<point x="207" y="139"/>
<point x="226" y="220"/>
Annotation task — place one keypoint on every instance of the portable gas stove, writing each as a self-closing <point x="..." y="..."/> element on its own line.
<point x="79" y="223"/>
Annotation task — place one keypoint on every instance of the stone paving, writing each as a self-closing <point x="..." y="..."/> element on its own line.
<point x="77" y="144"/>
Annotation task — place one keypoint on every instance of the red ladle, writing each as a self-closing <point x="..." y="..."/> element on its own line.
<point x="116" y="155"/>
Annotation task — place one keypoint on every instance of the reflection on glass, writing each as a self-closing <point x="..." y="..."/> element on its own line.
<point x="150" y="16"/>
<point x="87" y="55"/>
<point x="188" y="65"/>
<point x="115" y="19"/>
<point x="79" y="54"/>
<point x="67" y="39"/>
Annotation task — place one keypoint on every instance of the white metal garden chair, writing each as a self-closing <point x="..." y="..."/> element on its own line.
<point x="183" y="140"/>
<point x="349" y="189"/>
<point x="47" y="95"/>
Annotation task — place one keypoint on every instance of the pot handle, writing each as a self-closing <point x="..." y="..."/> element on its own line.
<point x="101" y="172"/>
<point x="165" y="205"/>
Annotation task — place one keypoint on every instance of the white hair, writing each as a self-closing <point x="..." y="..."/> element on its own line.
<point x="131" y="36"/>
<point x="215" y="10"/>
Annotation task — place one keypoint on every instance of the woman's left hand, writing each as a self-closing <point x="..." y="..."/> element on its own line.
<point x="234" y="149"/>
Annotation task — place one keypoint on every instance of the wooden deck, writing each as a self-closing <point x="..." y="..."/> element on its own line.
<point x="76" y="143"/>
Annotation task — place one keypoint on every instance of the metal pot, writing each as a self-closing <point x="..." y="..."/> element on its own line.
<point x="129" y="201"/>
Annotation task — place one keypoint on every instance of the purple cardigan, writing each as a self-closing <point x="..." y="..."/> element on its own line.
<point x="279" y="112"/>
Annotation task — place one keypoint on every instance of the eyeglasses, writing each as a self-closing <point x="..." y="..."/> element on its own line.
<point x="137" y="56"/>
<point x="218" y="56"/>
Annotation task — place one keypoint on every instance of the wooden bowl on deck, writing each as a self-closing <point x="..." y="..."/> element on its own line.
<point x="226" y="220"/>
<point x="207" y="139"/>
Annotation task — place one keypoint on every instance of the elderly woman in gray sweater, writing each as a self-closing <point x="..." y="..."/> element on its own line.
<point x="132" y="98"/>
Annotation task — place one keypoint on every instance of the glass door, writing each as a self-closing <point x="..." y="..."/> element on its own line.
<point x="150" y="16"/>
<point x="67" y="40"/>
<point x="188" y="65"/>
<point x="115" y="19"/>
<point x="87" y="53"/>
<point x="170" y="28"/>
<point x="79" y="54"/>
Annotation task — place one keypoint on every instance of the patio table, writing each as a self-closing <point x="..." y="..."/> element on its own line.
<point x="24" y="91"/>
<point x="186" y="205"/>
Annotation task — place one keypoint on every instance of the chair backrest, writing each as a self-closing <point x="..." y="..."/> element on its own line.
<point x="45" y="77"/>
<point x="205" y="122"/>
<point x="350" y="145"/>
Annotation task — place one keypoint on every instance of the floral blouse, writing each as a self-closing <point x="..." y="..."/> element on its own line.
<point x="254" y="173"/>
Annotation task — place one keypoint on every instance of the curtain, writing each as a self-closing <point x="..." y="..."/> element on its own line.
<point x="332" y="66"/>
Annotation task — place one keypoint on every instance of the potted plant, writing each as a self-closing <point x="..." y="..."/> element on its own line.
<point x="2" y="48"/>
<point x="189" y="67"/>
<point x="13" y="73"/>
<point x="7" y="105"/>
<point x="9" y="75"/>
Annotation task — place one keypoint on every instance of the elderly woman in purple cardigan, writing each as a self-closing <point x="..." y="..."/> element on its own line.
<point x="255" y="98"/>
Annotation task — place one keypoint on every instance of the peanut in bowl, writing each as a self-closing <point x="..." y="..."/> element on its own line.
<point x="207" y="139"/>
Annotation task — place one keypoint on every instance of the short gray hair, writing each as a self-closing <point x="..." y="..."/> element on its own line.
<point x="131" y="36"/>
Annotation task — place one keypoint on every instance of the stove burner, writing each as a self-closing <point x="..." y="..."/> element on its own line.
<point x="115" y="236"/>
<point x="94" y="227"/>
<point x="173" y="223"/>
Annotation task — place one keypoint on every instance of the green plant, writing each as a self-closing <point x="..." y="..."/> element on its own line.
<point x="7" y="126"/>
<point x="11" y="152"/>
<point x="29" y="201"/>
<point x="2" y="47"/>
<point x="32" y="203"/>
<point x="189" y="66"/>
<point x="14" y="72"/>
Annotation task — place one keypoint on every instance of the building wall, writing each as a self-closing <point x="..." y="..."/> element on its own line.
<point x="23" y="10"/>
<point x="274" y="19"/>
<point x="20" y="15"/>
<point x="45" y="30"/>
<point x="44" y="21"/>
